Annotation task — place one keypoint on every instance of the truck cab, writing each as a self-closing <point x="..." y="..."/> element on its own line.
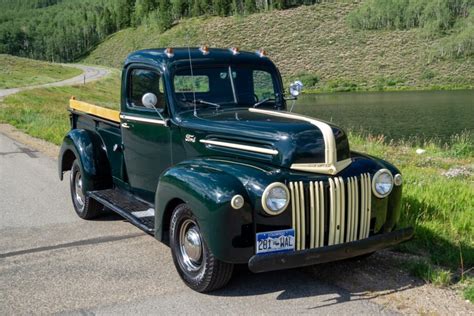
<point x="204" y="155"/>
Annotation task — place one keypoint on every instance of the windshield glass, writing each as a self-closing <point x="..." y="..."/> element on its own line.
<point x="224" y="86"/>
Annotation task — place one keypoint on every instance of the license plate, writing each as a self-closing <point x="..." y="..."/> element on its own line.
<point x="276" y="241"/>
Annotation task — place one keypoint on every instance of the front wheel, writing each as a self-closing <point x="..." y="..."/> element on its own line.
<point x="85" y="207"/>
<point x="195" y="263"/>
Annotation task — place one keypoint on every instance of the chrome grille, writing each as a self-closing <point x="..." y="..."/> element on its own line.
<point x="330" y="213"/>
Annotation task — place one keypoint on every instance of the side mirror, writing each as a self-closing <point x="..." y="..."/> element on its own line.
<point x="149" y="100"/>
<point x="296" y="88"/>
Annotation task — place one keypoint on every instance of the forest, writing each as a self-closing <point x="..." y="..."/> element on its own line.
<point x="66" y="30"/>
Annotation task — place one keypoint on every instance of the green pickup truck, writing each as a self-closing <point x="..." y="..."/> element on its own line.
<point x="205" y="156"/>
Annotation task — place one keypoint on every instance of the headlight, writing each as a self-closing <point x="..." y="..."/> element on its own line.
<point x="275" y="198"/>
<point x="382" y="183"/>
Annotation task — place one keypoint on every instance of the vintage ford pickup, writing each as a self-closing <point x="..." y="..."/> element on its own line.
<point x="204" y="156"/>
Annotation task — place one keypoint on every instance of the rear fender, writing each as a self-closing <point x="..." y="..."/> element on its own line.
<point x="89" y="149"/>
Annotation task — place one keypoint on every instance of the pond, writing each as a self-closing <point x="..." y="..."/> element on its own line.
<point x="406" y="115"/>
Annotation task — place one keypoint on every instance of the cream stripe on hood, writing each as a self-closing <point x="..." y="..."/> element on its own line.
<point x="331" y="165"/>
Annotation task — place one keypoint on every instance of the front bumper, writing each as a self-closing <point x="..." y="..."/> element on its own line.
<point x="288" y="260"/>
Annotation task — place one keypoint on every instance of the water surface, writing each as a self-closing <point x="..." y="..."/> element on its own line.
<point x="397" y="115"/>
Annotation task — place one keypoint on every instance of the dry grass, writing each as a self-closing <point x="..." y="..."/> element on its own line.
<point x="314" y="40"/>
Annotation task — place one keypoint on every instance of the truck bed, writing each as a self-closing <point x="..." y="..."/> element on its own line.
<point x="91" y="109"/>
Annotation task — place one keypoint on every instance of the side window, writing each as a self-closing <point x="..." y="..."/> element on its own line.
<point x="143" y="81"/>
<point x="263" y="84"/>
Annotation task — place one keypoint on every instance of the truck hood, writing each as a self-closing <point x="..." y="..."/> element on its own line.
<point x="281" y="138"/>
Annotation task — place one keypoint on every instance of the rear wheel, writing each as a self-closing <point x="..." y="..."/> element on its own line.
<point x="195" y="263"/>
<point x="85" y="207"/>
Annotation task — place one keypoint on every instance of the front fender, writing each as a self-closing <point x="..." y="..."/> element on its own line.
<point x="88" y="148"/>
<point x="208" y="186"/>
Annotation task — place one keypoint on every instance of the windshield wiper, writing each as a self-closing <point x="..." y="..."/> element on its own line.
<point x="263" y="101"/>
<point x="199" y="101"/>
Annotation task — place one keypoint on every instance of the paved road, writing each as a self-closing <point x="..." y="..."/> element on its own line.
<point x="53" y="262"/>
<point x="90" y="73"/>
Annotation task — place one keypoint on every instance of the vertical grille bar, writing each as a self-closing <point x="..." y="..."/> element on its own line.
<point x="332" y="212"/>
<point x="293" y="213"/>
<point x="369" y="206"/>
<point x="356" y="210"/>
<point x="321" y="210"/>
<point x="302" y="214"/>
<point x="362" y="206"/>
<point x="312" y="216"/>
<point x="298" y="216"/>
<point x="342" y="194"/>
<point x="350" y="209"/>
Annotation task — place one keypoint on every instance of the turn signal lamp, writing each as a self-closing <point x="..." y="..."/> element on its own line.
<point x="262" y="53"/>
<point x="234" y="50"/>
<point x="204" y="49"/>
<point x="169" y="52"/>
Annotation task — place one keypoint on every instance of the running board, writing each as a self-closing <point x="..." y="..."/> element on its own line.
<point x="137" y="212"/>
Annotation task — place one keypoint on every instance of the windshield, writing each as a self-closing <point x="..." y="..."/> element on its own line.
<point x="225" y="86"/>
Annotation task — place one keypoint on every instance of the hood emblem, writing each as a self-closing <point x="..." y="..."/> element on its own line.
<point x="190" y="138"/>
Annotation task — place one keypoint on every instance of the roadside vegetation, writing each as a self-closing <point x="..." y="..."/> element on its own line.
<point x="20" y="72"/>
<point x="438" y="200"/>
<point x="42" y="113"/>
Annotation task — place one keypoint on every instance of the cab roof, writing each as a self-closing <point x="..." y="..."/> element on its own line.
<point x="163" y="57"/>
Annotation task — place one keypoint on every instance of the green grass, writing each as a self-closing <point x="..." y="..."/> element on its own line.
<point x="469" y="289"/>
<point x="314" y="43"/>
<point x="440" y="208"/>
<point x="429" y="273"/>
<point x="43" y="112"/>
<point x="20" y="72"/>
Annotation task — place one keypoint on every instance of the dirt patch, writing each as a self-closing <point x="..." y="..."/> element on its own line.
<point x="381" y="279"/>
<point x="45" y="147"/>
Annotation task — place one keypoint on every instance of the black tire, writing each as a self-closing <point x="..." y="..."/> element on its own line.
<point x="85" y="207"/>
<point x="204" y="274"/>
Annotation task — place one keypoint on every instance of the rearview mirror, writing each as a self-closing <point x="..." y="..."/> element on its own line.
<point x="296" y="88"/>
<point x="149" y="100"/>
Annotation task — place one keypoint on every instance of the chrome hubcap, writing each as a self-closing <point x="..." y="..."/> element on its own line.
<point x="79" y="195"/>
<point x="190" y="245"/>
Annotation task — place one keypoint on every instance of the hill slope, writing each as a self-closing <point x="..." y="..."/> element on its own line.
<point x="20" y="72"/>
<point x="314" y="41"/>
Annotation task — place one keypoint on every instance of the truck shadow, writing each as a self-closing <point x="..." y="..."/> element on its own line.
<point x="333" y="283"/>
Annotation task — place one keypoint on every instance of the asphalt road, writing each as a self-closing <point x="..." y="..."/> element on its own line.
<point x="90" y="73"/>
<point x="53" y="262"/>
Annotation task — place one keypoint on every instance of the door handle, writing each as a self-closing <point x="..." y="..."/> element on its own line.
<point x="125" y="125"/>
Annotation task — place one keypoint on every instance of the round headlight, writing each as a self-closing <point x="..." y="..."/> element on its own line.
<point x="382" y="183"/>
<point x="275" y="198"/>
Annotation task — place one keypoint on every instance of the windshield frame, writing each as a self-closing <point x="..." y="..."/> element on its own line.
<point x="270" y="68"/>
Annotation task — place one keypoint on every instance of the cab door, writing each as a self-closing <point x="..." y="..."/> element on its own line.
<point x="145" y="134"/>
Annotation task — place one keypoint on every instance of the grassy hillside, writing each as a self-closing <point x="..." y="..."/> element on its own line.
<point x="315" y="43"/>
<point x="21" y="72"/>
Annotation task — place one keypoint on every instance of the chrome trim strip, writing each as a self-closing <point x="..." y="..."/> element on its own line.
<point x="239" y="146"/>
<point x="142" y="119"/>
